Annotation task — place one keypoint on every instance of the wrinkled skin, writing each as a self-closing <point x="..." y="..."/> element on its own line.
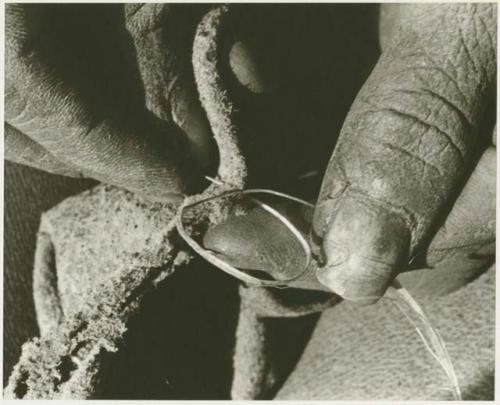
<point x="74" y="102"/>
<point x="408" y="144"/>
<point x="421" y="124"/>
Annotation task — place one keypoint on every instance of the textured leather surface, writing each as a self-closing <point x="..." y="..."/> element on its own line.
<point x="465" y="319"/>
<point x="372" y="352"/>
<point x="194" y="312"/>
<point x="27" y="193"/>
<point x="30" y="197"/>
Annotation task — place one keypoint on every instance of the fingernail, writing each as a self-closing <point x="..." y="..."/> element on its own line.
<point x="365" y="245"/>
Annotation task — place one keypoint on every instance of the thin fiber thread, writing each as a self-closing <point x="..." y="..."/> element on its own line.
<point x="233" y="167"/>
<point x="233" y="270"/>
<point x="431" y="337"/>
<point x="396" y="293"/>
<point x="41" y="356"/>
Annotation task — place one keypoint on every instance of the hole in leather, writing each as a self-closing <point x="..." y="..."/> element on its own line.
<point x="81" y="328"/>
<point x="21" y="387"/>
<point x="77" y="348"/>
<point x="66" y="368"/>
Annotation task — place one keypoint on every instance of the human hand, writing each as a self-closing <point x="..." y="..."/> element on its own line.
<point x="411" y="139"/>
<point x="413" y="136"/>
<point x="74" y="102"/>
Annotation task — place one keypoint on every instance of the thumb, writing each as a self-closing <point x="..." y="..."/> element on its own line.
<point x="406" y="147"/>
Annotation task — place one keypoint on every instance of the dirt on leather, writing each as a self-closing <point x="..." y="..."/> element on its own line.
<point x="102" y="252"/>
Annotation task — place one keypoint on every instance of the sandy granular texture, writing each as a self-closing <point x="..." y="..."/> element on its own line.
<point x="361" y="353"/>
<point x="92" y="237"/>
<point x="98" y="253"/>
<point x="221" y="113"/>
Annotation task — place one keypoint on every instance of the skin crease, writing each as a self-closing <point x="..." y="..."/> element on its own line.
<point x="409" y="143"/>
<point x="462" y="248"/>
<point x="407" y="147"/>
<point x="430" y="126"/>
<point x="60" y="106"/>
<point x="118" y="164"/>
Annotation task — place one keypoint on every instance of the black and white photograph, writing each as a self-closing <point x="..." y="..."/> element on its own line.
<point x="249" y="201"/>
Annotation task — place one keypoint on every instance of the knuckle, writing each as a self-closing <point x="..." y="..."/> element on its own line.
<point x="431" y="120"/>
<point x="419" y="129"/>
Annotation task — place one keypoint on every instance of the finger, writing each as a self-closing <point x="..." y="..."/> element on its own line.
<point x="257" y="243"/>
<point x="249" y="73"/>
<point x="472" y="218"/>
<point x="256" y="49"/>
<point x="459" y="252"/>
<point x="163" y="35"/>
<point x="132" y="153"/>
<point x="23" y="150"/>
<point x="406" y="145"/>
<point x="464" y="247"/>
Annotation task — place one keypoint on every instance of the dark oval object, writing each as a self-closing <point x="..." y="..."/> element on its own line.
<point x="257" y="241"/>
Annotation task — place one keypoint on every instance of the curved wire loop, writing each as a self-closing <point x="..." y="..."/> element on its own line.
<point x="221" y="264"/>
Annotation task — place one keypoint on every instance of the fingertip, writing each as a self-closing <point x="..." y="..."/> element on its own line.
<point x="248" y="69"/>
<point x="365" y="247"/>
<point x="153" y="162"/>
